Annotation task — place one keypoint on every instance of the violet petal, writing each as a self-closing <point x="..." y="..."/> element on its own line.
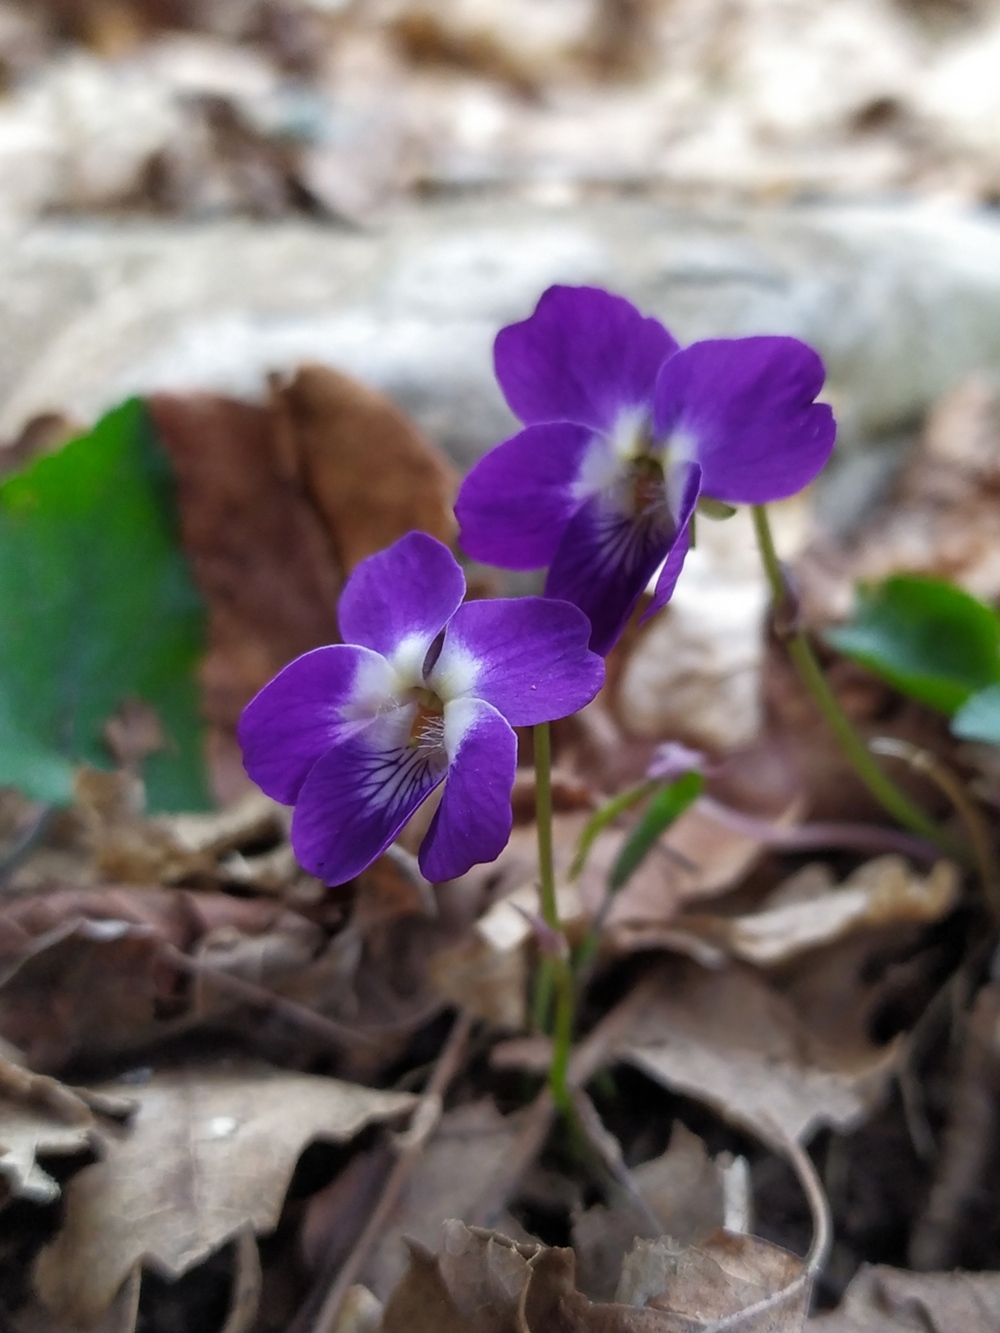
<point x="604" y="562"/>
<point x="307" y="708"/>
<point x="583" y="356"/>
<point x="355" y="801"/>
<point x="410" y="590"/>
<point x="674" y="563"/>
<point x="473" y="821"/>
<point x="746" y="407"/>
<point x="516" y="501"/>
<point x="531" y="658"/>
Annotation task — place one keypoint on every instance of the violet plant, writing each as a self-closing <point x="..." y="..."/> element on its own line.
<point x="624" y="433"/>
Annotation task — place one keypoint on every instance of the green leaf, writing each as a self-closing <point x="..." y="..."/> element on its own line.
<point x="668" y="804"/>
<point x="97" y="604"/>
<point x="605" y="815"/>
<point x="979" y="717"/>
<point x="926" y="637"/>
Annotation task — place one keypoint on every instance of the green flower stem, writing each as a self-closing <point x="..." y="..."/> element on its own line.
<point x="559" y="964"/>
<point x="885" y="791"/>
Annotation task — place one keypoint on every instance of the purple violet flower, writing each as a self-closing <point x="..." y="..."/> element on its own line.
<point x="357" y="735"/>
<point x="624" y="430"/>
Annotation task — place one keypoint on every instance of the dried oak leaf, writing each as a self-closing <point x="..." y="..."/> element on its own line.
<point x="468" y="1149"/>
<point x="209" y="1153"/>
<point x="888" y="1300"/>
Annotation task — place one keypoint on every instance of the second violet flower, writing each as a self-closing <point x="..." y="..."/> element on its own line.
<point x="624" y="430"/>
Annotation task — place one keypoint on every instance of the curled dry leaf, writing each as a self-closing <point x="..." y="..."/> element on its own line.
<point x="483" y="1282"/>
<point x="209" y="1153"/>
<point x="129" y="848"/>
<point x="724" y="1277"/>
<point x="697" y="858"/>
<point x="888" y="1300"/>
<point x="882" y="892"/>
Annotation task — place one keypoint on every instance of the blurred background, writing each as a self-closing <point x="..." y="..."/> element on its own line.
<point x="195" y="194"/>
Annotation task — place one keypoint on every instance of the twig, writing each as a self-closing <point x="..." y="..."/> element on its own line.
<point x="247" y="992"/>
<point x="410" y="1145"/>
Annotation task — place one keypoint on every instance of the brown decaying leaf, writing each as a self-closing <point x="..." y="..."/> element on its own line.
<point x="683" y="1188"/>
<point x="888" y="1300"/>
<point x="483" y="1282"/>
<point x="27" y="1133"/>
<point x="940" y="517"/>
<point x="883" y="892"/>
<point x="260" y="554"/>
<point x="467" y="1150"/>
<point x="277" y="504"/>
<point x="698" y="858"/>
<point x="82" y="972"/>
<point x="730" y="1040"/>
<point x="175" y="1185"/>
<point x="369" y="472"/>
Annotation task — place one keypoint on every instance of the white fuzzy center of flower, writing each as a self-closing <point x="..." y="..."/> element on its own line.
<point x="427" y="723"/>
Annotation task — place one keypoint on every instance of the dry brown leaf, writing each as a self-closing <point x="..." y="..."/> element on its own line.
<point x="683" y="1188"/>
<point x="129" y="848"/>
<point x="484" y="1282"/>
<point x="698" y="858"/>
<point x="209" y="1153"/>
<point x="453" y="1174"/>
<point x="28" y="1133"/>
<point x="368" y="470"/>
<point x="724" y="1276"/>
<point x="941" y="516"/>
<point x="882" y="892"/>
<point x="889" y="1300"/>
<point x="730" y="1040"/>
<point x="277" y="504"/>
<point x="82" y="972"/>
<point x="259" y="551"/>
<point x="695" y="674"/>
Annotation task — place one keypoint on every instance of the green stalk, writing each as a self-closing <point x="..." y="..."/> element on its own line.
<point x="894" y="801"/>
<point x="559" y="965"/>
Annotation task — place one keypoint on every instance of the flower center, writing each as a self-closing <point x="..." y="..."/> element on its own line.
<point x="645" y="484"/>
<point x="427" y="727"/>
